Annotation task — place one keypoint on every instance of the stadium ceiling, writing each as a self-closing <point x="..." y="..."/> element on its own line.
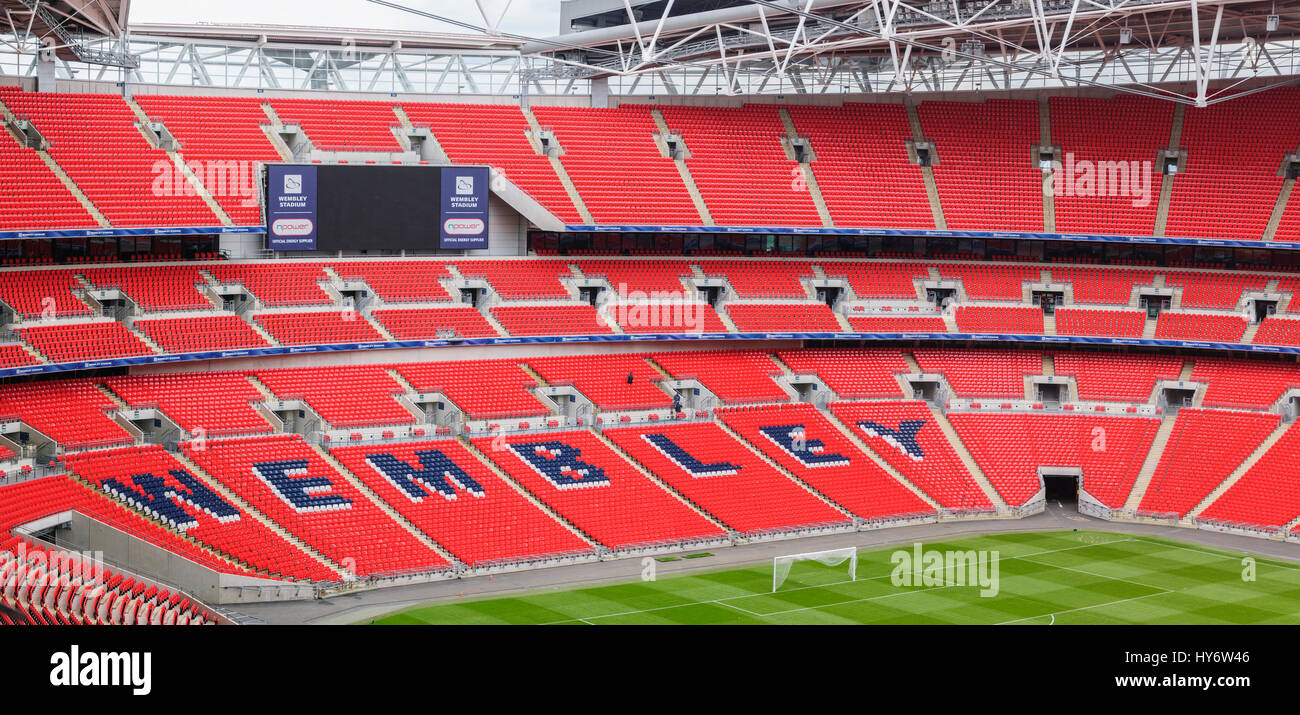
<point x="73" y="30"/>
<point x="1188" y="51"/>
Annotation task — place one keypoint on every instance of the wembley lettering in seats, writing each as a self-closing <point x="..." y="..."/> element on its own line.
<point x="903" y="438"/>
<point x="436" y="471"/>
<point x="560" y="465"/>
<point x="303" y="493"/>
<point x="686" y="461"/>
<point x="793" y="439"/>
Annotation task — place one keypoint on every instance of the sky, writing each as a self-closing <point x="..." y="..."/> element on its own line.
<point x="535" y="18"/>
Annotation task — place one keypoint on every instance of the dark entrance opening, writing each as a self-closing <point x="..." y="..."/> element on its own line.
<point x="1063" y="488"/>
<point x="939" y="295"/>
<point x="828" y="295"/>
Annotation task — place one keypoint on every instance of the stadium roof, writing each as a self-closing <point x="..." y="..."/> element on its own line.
<point x="66" y="26"/>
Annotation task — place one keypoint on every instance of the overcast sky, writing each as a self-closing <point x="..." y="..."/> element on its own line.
<point x="536" y="18"/>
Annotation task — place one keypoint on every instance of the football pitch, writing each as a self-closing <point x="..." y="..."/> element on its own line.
<point x="1043" y="578"/>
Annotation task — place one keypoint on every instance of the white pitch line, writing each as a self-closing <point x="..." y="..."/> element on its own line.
<point x="1054" y="614"/>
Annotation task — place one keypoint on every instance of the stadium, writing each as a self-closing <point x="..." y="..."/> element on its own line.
<point x="692" y="311"/>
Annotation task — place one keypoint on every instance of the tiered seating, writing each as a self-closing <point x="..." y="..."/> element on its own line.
<point x="1010" y="448"/>
<point x="1230" y="183"/>
<point x="982" y="373"/>
<point x="451" y="496"/>
<point x="153" y="482"/>
<point x="1118" y="378"/>
<point x="276" y="283"/>
<point x="224" y="137"/>
<point x="852" y="374"/>
<point x="213" y="404"/>
<point x="897" y="324"/>
<point x="1220" y="291"/>
<point x="985" y="173"/>
<point x="1201" y="326"/>
<point x="31" y="196"/>
<point x="1288" y="229"/>
<point x="1247" y="385"/>
<point x="94" y="139"/>
<point x="611" y="156"/>
<point x="193" y="335"/>
<point x="716" y="136"/>
<point x="647" y="277"/>
<point x="515" y="280"/>
<point x="328" y="327"/>
<point x="878" y="279"/>
<point x="427" y="323"/>
<point x="906" y="436"/>
<point x="482" y="389"/>
<point x="551" y="320"/>
<point x="1100" y="323"/>
<point x="718" y="474"/>
<point x="777" y="318"/>
<point x="604" y="379"/>
<point x="42" y="293"/>
<point x="70" y="412"/>
<point x="865" y="177"/>
<point x="344" y="396"/>
<point x="1016" y="320"/>
<point x="496" y="135"/>
<point x="991" y="281"/>
<point x="399" y="281"/>
<point x="13" y="355"/>
<point x="1267" y="494"/>
<point x="76" y="342"/>
<point x="761" y="279"/>
<point x="1084" y="128"/>
<point x="342" y="125"/>
<point x="735" y="377"/>
<point x="1205" y="447"/>
<point x="596" y="490"/>
<point x="667" y="317"/>
<point x="284" y="479"/>
<point x="169" y="287"/>
<point x="802" y="441"/>
<point x="1111" y="286"/>
<point x="1278" y="331"/>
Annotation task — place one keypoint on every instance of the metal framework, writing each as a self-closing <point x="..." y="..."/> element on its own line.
<point x="68" y="29"/>
<point x="1189" y="51"/>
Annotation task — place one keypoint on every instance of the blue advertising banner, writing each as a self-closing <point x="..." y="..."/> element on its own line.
<point x="291" y="207"/>
<point x="464" y="208"/>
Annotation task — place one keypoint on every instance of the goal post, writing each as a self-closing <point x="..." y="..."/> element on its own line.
<point x="831" y="557"/>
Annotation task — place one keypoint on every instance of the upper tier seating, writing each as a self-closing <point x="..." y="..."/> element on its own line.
<point x="222" y="139"/>
<point x="723" y="478"/>
<point x="512" y="280"/>
<point x="1220" y="291"/>
<point x="804" y="442"/>
<point x="551" y="320"/>
<point x="991" y="281"/>
<point x="770" y="318"/>
<point x="761" y="279"/>
<point x="496" y="135"/>
<point x="592" y="487"/>
<point x="878" y="279"/>
<point x="399" y="281"/>
<point x="344" y="396"/>
<point x="906" y="436"/>
<point x="865" y="177"/>
<point x="715" y="137"/>
<point x="897" y="324"/>
<point x="342" y="125"/>
<point x="13" y="355"/>
<point x="42" y="293"/>
<point x="1200" y="326"/>
<point x="426" y="323"/>
<point x="604" y="379"/>
<point x="283" y="478"/>
<point x="1122" y="200"/>
<point x="1204" y="448"/>
<point x="325" y="327"/>
<point x="1119" y="378"/>
<point x="1100" y="323"/>
<point x="646" y="277"/>
<point x="276" y="283"/>
<point x="455" y="499"/>
<point x="611" y="156"/>
<point x="1015" y="320"/>
<point x="483" y="389"/>
<point x="94" y="139"/>
<point x="1112" y="286"/>
<point x="982" y="373"/>
<point x="985" y="174"/>
<point x="1278" y="331"/>
<point x="31" y="196"/>
<point x="169" y="287"/>
<point x="1230" y="183"/>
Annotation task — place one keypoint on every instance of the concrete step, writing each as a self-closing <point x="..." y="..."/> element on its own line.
<point x="562" y="173"/>
<point x="546" y="508"/>
<point x="969" y="461"/>
<point x="1240" y="471"/>
<point x="1150" y="463"/>
<point x="684" y="171"/>
<point x="383" y="506"/>
<point x="927" y="174"/>
<point x="1167" y="181"/>
<point x="810" y="177"/>
<point x="1279" y="208"/>
<point x="76" y="191"/>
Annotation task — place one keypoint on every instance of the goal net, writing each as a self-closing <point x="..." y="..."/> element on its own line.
<point x="831" y="557"/>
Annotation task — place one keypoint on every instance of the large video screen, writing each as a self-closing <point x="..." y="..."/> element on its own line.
<point x="333" y="207"/>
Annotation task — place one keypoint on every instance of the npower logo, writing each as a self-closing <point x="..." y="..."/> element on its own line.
<point x="293" y="227"/>
<point x="463" y="226"/>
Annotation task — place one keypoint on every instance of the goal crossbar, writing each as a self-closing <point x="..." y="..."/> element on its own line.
<point x="830" y="557"/>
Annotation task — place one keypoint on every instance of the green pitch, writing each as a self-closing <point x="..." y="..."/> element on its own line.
<point x="1043" y="578"/>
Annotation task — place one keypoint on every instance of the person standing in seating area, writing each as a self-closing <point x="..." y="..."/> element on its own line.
<point x="629" y="378"/>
